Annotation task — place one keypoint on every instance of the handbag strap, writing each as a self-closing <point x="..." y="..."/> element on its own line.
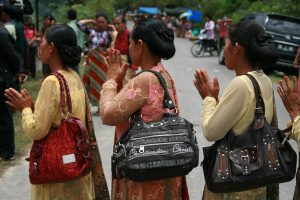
<point x="260" y="106"/>
<point x="259" y="112"/>
<point x="258" y="96"/>
<point x="64" y="88"/>
<point x="168" y="103"/>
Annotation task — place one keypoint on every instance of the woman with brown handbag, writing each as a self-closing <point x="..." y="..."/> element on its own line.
<point x="247" y="49"/>
<point x="291" y="100"/>
<point x="58" y="49"/>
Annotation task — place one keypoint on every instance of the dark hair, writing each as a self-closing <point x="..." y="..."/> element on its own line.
<point x="50" y="17"/>
<point x="102" y="15"/>
<point x="123" y="19"/>
<point x="208" y="15"/>
<point x="65" y="41"/>
<point x="72" y="14"/>
<point x="158" y="37"/>
<point x="9" y="10"/>
<point x="259" y="46"/>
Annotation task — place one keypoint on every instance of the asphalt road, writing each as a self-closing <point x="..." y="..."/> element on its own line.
<point x="14" y="185"/>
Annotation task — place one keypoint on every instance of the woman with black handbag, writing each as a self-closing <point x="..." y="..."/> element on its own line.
<point x="291" y="100"/>
<point x="150" y="41"/>
<point x="247" y="49"/>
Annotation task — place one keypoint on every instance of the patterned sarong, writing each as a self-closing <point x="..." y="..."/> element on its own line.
<point x="95" y="74"/>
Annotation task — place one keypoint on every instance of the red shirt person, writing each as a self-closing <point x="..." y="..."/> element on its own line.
<point x="122" y="39"/>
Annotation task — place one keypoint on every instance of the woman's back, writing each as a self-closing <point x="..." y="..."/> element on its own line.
<point x="47" y="111"/>
<point x="235" y="110"/>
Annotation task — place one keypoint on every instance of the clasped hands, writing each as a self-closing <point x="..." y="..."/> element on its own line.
<point x="116" y="69"/>
<point x="290" y="96"/>
<point x="18" y="100"/>
<point x="205" y="86"/>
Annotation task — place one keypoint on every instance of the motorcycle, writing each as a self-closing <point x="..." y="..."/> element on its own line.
<point x="202" y="45"/>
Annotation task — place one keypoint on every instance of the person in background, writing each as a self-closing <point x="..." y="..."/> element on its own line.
<point x="72" y="16"/>
<point x="9" y="68"/>
<point x="100" y="39"/>
<point x="39" y="117"/>
<point x="247" y="48"/>
<point x="48" y="21"/>
<point x="21" y="41"/>
<point x="31" y="36"/>
<point x="150" y="42"/>
<point x="7" y="19"/>
<point x="122" y="44"/>
<point x="210" y="27"/>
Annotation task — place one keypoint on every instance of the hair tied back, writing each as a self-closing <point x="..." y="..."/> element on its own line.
<point x="263" y="39"/>
<point x="166" y="35"/>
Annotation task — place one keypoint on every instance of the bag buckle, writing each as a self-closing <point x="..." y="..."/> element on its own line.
<point x="245" y="161"/>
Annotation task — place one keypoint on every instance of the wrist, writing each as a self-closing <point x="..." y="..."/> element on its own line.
<point x="294" y="114"/>
<point x="110" y="84"/>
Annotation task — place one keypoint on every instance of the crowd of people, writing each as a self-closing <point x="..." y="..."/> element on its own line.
<point x="111" y="83"/>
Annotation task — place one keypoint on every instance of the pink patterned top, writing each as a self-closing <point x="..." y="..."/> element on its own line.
<point x="145" y="92"/>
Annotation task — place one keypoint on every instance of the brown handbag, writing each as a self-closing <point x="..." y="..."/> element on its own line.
<point x="64" y="154"/>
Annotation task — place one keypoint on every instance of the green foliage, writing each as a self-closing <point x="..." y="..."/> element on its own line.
<point x="237" y="9"/>
<point x="217" y="8"/>
<point x="84" y="8"/>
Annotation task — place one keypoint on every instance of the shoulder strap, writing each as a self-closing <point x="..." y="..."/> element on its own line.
<point x="69" y="102"/>
<point x="64" y="88"/>
<point x="168" y="102"/>
<point x="260" y="105"/>
<point x="258" y="96"/>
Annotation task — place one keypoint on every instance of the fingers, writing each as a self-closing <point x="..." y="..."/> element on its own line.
<point x="12" y="95"/>
<point x="25" y="93"/>
<point x="205" y="76"/>
<point x="280" y="91"/>
<point x="125" y="66"/>
<point x="283" y="86"/>
<point x="216" y="88"/>
<point x="287" y="83"/>
<point x="11" y="105"/>
<point x="295" y="85"/>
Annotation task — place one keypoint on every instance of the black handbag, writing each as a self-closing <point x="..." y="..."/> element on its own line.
<point x="259" y="157"/>
<point x="156" y="150"/>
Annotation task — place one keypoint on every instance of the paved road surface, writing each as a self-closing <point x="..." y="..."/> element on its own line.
<point x="14" y="184"/>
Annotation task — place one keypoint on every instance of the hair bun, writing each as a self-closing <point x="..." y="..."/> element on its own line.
<point x="167" y="35"/>
<point x="71" y="55"/>
<point x="263" y="49"/>
<point x="263" y="39"/>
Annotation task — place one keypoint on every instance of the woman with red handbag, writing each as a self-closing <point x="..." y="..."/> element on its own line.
<point x="51" y="113"/>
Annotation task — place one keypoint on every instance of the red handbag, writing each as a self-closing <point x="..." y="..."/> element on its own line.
<point x="64" y="154"/>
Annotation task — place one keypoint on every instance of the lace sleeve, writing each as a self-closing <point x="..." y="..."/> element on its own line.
<point x="38" y="123"/>
<point x="117" y="107"/>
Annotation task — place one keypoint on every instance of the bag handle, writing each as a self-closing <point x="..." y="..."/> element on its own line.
<point x="258" y="95"/>
<point x="64" y="88"/>
<point x="260" y="108"/>
<point x="167" y="102"/>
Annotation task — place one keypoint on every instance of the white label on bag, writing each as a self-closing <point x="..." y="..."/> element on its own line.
<point x="69" y="158"/>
